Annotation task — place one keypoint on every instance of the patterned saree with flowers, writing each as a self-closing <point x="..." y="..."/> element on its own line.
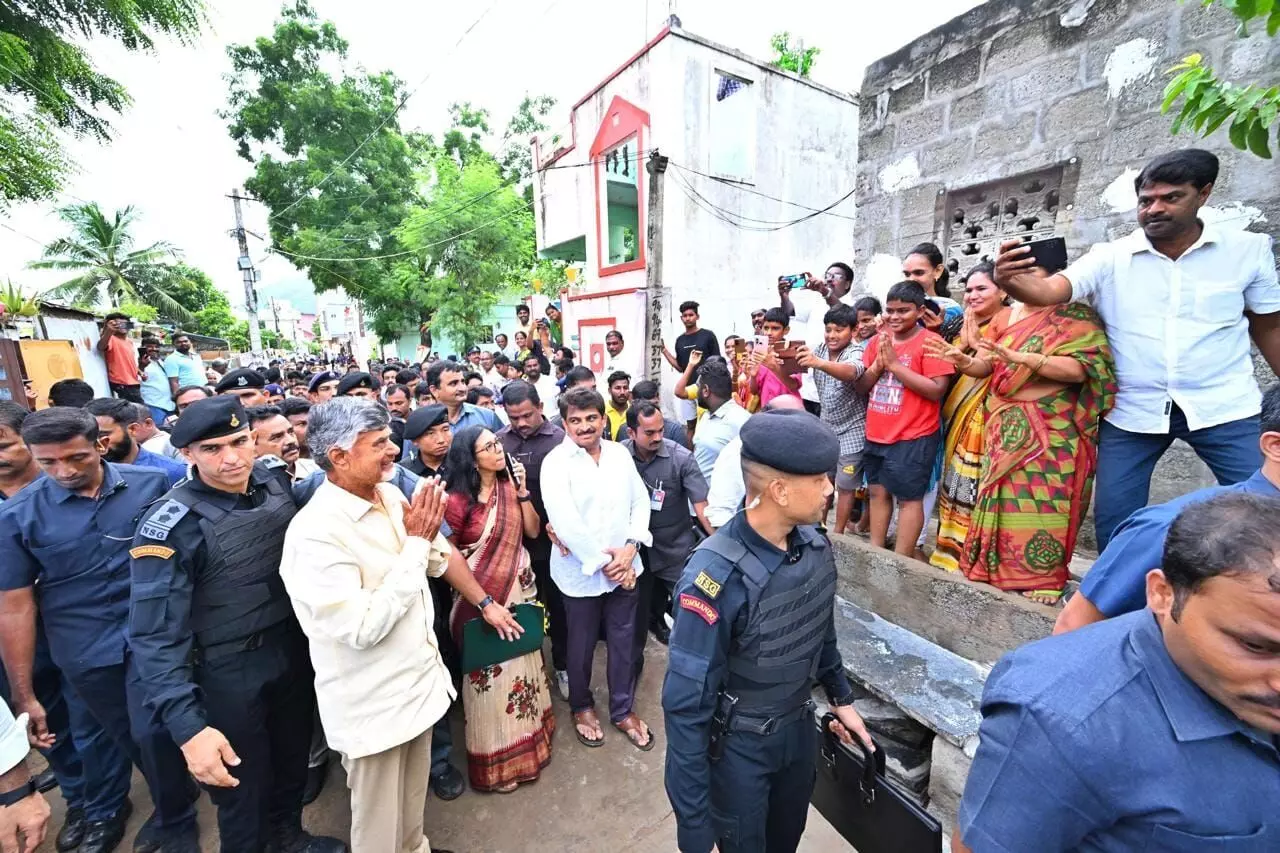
<point x="507" y="706"/>
<point x="1040" y="454"/>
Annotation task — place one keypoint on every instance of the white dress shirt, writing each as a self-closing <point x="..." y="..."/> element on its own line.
<point x="713" y="432"/>
<point x="13" y="739"/>
<point x="358" y="584"/>
<point x="160" y="445"/>
<point x="728" y="489"/>
<point x="1177" y="328"/>
<point x="549" y="394"/>
<point x="592" y="506"/>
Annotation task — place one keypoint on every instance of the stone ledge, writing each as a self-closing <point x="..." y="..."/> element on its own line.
<point x="972" y="620"/>
<point x="933" y="686"/>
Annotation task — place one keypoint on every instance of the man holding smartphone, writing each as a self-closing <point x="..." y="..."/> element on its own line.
<point x="122" y="359"/>
<point x="1181" y="297"/>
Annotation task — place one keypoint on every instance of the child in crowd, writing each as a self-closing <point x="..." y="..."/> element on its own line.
<point x="768" y="379"/>
<point x="906" y="388"/>
<point x="868" y="311"/>
<point x="836" y="364"/>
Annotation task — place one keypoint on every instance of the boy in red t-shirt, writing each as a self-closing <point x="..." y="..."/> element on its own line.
<point x="906" y="387"/>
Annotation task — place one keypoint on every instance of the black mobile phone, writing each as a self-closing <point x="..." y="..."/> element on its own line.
<point x="511" y="468"/>
<point x="1050" y="254"/>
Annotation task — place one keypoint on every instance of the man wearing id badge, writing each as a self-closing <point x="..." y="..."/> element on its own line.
<point x="674" y="483"/>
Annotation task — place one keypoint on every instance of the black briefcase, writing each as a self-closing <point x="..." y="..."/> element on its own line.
<point x="868" y="810"/>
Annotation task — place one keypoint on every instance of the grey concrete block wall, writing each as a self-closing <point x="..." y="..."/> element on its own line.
<point x="1016" y="85"/>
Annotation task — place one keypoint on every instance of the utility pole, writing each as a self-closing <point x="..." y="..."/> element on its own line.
<point x="246" y="268"/>
<point x="655" y="292"/>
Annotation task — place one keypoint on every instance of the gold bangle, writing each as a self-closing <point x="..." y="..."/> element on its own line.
<point x="1044" y="359"/>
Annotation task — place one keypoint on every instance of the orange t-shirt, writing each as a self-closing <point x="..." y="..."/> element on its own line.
<point x="122" y="362"/>
<point x="895" y="412"/>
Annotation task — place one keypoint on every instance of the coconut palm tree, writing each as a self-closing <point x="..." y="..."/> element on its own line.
<point x="100" y="251"/>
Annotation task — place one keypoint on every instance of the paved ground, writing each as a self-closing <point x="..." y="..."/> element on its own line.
<point x="588" y="800"/>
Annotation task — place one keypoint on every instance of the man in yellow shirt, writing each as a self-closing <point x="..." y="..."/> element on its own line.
<point x="615" y="408"/>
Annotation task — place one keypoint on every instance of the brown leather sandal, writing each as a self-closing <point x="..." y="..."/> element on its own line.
<point x="632" y="726"/>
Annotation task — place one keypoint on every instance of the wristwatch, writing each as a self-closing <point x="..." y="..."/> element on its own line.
<point x="21" y="792"/>
<point x="526" y="498"/>
<point x="484" y="602"/>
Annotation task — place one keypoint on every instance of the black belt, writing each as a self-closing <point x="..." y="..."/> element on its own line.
<point x="740" y="722"/>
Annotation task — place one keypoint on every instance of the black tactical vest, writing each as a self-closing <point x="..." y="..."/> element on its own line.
<point x="239" y="592"/>
<point x="773" y="661"/>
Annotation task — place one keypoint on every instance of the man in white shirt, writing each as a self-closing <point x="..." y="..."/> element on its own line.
<point x="1180" y="298"/>
<point x="598" y="511"/>
<point x="548" y="391"/>
<point x="723" y="418"/>
<point x="356" y="562"/>
<point x="617" y="360"/>
<point x="727" y="488"/>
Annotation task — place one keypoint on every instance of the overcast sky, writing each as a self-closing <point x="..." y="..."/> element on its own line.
<point x="172" y="157"/>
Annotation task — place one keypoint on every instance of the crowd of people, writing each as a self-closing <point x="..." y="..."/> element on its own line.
<point x="226" y="575"/>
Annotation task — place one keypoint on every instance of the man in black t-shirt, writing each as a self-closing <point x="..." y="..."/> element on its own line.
<point x="703" y="340"/>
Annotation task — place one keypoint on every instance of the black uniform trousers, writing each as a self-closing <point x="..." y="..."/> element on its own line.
<point x="549" y="594"/>
<point x="260" y="693"/>
<point x="760" y="788"/>
<point x="654" y="601"/>
<point x="114" y="697"/>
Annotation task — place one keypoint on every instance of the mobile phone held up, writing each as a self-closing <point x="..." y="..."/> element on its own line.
<point x="511" y="469"/>
<point x="795" y="282"/>
<point x="1050" y="254"/>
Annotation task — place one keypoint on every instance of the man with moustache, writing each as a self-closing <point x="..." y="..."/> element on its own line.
<point x="599" y="509"/>
<point x="274" y="437"/>
<point x="1156" y="730"/>
<point x="223" y="661"/>
<point x="117" y="425"/>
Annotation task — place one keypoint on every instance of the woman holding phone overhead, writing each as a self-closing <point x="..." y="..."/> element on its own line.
<point x="507" y="705"/>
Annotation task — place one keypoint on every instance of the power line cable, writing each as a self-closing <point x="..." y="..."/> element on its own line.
<point x="746" y="189"/>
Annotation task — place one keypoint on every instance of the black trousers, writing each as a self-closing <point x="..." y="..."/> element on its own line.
<point x="113" y="695"/>
<point x="262" y="698"/>
<point x="132" y="393"/>
<point x="760" y="789"/>
<point x="654" y="600"/>
<point x="552" y="599"/>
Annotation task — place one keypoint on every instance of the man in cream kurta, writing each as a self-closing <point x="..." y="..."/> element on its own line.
<point x="359" y="588"/>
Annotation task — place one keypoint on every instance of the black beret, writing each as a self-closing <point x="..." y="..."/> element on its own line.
<point x="791" y="441"/>
<point x="421" y="420"/>
<point x="320" y="378"/>
<point x="212" y="417"/>
<point x="352" y="381"/>
<point x="242" y="378"/>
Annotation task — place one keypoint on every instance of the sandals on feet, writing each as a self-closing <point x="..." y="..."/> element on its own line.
<point x="588" y="719"/>
<point x="633" y="727"/>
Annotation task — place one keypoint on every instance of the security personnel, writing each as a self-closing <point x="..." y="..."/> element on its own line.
<point x="323" y="385"/>
<point x="224" y="663"/>
<point x="754" y="626"/>
<point x="249" y="385"/>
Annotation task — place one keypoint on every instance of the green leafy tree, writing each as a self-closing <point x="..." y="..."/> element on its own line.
<point x="1205" y="102"/>
<point x="100" y="252"/>
<point x="789" y="57"/>
<point x="330" y="162"/>
<point x="215" y="318"/>
<point x="516" y="155"/>
<point x="473" y="242"/>
<point x="45" y="67"/>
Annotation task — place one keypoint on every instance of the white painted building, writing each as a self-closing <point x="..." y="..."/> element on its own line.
<point x="752" y="149"/>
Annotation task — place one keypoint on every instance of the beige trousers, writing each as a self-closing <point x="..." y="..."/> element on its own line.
<point x="389" y="797"/>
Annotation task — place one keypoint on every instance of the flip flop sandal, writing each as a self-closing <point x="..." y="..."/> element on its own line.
<point x="635" y="726"/>
<point x="583" y="739"/>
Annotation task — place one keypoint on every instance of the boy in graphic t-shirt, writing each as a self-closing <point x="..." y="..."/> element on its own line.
<point x="906" y="388"/>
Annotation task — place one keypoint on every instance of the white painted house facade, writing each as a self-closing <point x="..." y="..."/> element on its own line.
<point x="752" y="149"/>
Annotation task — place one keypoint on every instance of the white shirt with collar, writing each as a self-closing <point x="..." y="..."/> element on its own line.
<point x="728" y="490"/>
<point x="714" y="431"/>
<point x="549" y="394"/>
<point x="592" y="506"/>
<point x="358" y="584"/>
<point x="1177" y="328"/>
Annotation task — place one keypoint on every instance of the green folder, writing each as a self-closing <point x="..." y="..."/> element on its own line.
<point x="482" y="647"/>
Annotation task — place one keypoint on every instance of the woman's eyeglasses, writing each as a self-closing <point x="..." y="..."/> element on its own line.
<point x="491" y="446"/>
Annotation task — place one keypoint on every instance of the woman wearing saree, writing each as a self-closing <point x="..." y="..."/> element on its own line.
<point x="963" y="413"/>
<point x="508" y="705"/>
<point x="1051" y="378"/>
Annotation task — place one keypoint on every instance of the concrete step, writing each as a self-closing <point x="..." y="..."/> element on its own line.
<point x="935" y="687"/>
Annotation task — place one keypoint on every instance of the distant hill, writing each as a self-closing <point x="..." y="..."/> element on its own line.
<point x="297" y="289"/>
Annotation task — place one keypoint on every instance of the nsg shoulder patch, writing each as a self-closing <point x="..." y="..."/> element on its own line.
<point x="161" y="522"/>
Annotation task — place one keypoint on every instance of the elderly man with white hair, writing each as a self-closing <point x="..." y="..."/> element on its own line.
<point x="356" y="562"/>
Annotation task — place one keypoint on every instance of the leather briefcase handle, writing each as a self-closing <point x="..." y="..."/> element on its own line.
<point x="872" y="762"/>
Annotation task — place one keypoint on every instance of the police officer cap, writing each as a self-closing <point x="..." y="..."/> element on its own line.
<point x="791" y="441"/>
<point x="242" y="378"/>
<point x="352" y="381"/>
<point x="320" y="378"/>
<point x="421" y="420"/>
<point x="212" y="417"/>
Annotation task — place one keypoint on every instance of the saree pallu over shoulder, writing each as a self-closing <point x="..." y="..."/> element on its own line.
<point x="1037" y="474"/>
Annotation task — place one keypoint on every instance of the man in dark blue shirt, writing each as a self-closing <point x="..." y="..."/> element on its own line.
<point x="1117" y="582"/>
<point x="1157" y="730"/>
<point x="117" y="421"/>
<point x="65" y="540"/>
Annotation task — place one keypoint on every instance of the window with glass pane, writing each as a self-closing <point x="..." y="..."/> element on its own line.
<point x="620" y="203"/>
<point x="733" y="127"/>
